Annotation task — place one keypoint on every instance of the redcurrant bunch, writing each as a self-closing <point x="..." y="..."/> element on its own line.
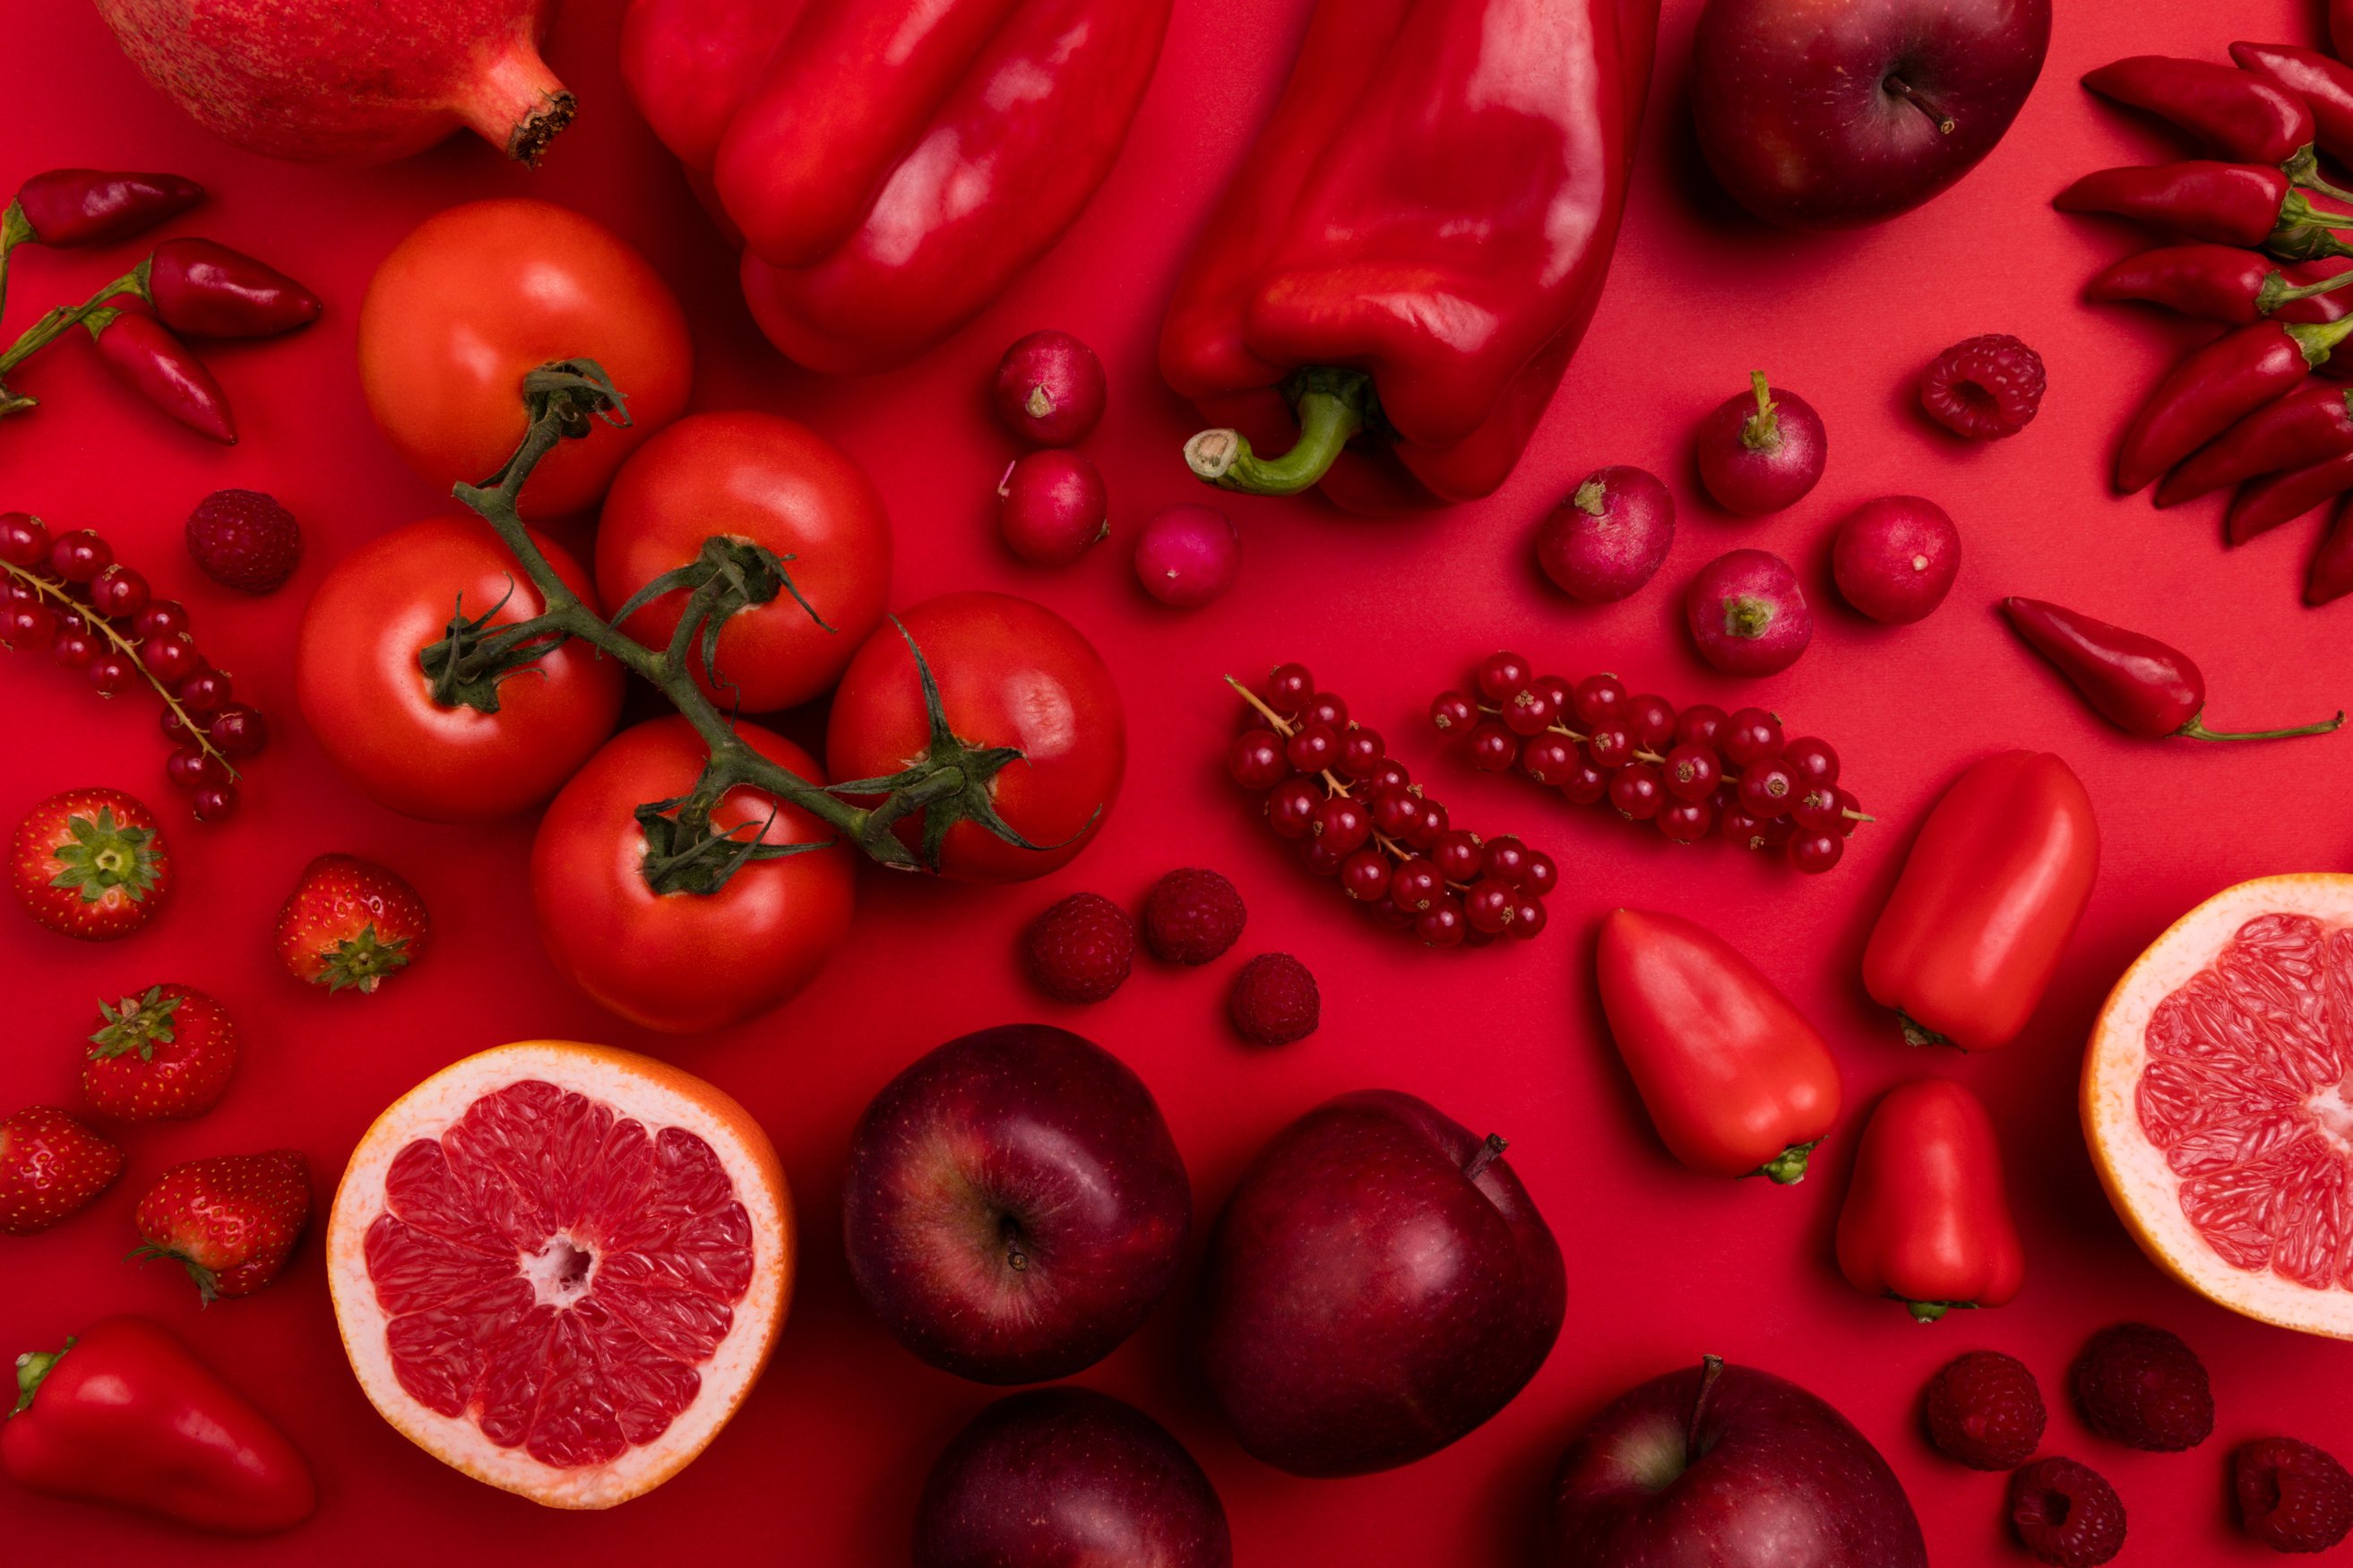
<point x="1687" y="774"/>
<point x="1358" y="817"/>
<point x="69" y="594"/>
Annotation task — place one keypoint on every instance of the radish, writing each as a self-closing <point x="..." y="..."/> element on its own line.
<point x="1608" y="539"/>
<point x="1048" y="389"/>
<point x="1052" y="507"/>
<point x="1895" y="558"/>
<point x="1188" y="555"/>
<point x="1747" y="613"/>
<point x="1761" y="450"/>
<point x="332" y="81"/>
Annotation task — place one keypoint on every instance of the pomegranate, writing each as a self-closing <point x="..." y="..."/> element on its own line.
<point x="325" y="80"/>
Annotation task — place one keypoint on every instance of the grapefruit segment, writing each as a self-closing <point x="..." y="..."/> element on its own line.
<point x="2218" y="1101"/>
<point x="559" y="1267"/>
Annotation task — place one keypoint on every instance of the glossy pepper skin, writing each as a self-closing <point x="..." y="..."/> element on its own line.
<point x="1989" y="896"/>
<point x="2331" y="573"/>
<point x="2325" y="85"/>
<point x="142" y="354"/>
<point x="2265" y="504"/>
<point x="1926" y="1219"/>
<point x="92" y="207"/>
<point x="1413" y="248"/>
<point x="2312" y="423"/>
<point x="1736" y="1079"/>
<point x="2224" y="283"/>
<point x="2216" y="386"/>
<point x="2237" y="113"/>
<point x="689" y="65"/>
<point x="209" y="290"/>
<point x="124" y="1415"/>
<point x="898" y="161"/>
<point x="2227" y="204"/>
<point x="2140" y="685"/>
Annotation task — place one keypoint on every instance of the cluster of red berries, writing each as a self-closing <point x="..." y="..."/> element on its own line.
<point x="1358" y="817"/>
<point x="1687" y="774"/>
<point x="96" y="614"/>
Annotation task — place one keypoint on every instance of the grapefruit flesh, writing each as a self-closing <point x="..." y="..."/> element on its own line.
<point x="560" y="1268"/>
<point x="2218" y="1101"/>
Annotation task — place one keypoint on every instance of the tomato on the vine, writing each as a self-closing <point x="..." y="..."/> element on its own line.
<point x="478" y="296"/>
<point x="777" y="484"/>
<point x="685" y="962"/>
<point x="1010" y="673"/>
<point x="364" y="693"/>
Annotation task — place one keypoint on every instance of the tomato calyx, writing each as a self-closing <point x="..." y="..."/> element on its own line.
<point x="466" y="667"/>
<point x="684" y="854"/>
<point x="135" y="1023"/>
<point x="739" y="574"/>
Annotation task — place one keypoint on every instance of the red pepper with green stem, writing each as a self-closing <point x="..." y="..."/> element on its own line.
<point x="2325" y="85"/>
<point x="2225" y="283"/>
<point x="142" y="354"/>
<point x="2228" y="204"/>
<point x="2308" y="425"/>
<point x="1736" y="1079"/>
<point x="2140" y="685"/>
<point x="123" y="1414"/>
<point x="1393" y="284"/>
<point x="2239" y="113"/>
<point x="68" y="207"/>
<point x="2265" y="504"/>
<point x="1927" y="1220"/>
<point x="2217" y="386"/>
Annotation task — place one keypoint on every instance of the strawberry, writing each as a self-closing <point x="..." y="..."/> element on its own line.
<point x="350" y="922"/>
<point x="90" y="863"/>
<point x="162" y="1056"/>
<point x="231" y="1219"/>
<point x="50" y="1166"/>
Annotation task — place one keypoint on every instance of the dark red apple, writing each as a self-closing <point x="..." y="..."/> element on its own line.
<point x="1015" y="1204"/>
<point x="1829" y="113"/>
<point x="1067" y="1477"/>
<point x="1726" y="1466"/>
<point x="1379" y="1284"/>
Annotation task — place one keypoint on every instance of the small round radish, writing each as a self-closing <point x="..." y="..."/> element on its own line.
<point x="1049" y="389"/>
<point x="1188" y="555"/>
<point x="1606" y="538"/>
<point x="1051" y="506"/>
<point x="1747" y="613"/>
<point x="1895" y="557"/>
<point x="1761" y="452"/>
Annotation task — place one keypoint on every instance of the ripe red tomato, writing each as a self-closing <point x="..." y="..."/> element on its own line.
<point x="479" y="296"/>
<point x="365" y="696"/>
<point x="683" y="961"/>
<point x="1010" y="673"/>
<point x="760" y="478"/>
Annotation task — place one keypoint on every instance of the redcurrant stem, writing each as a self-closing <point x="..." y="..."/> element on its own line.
<point x="129" y="649"/>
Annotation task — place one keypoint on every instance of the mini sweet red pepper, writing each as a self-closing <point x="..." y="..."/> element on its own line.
<point x="690" y="64"/>
<point x="1394" y="282"/>
<point x="1926" y="1219"/>
<point x="1736" y="1079"/>
<point x="2216" y="386"/>
<point x="2237" y="113"/>
<point x="209" y="290"/>
<point x="2228" y="204"/>
<point x="900" y="160"/>
<point x="2331" y="573"/>
<point x="2140" y="685"/>
<point x="2325" y="85"/>
<point x="142" y="354"/>
<point x="124" y="1415"/>
<point x="2226" y="283"/>
<point x="2265" y="504"/>
<point x="2309" y="424"/>
<point x="1989" y="896"/>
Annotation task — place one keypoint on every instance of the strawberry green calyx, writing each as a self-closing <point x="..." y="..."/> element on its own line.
<point x="207" y="1283"/>
<point x="361" y="962"/>
<point x="104" y="855"/>
<point x="135" y="1023"/>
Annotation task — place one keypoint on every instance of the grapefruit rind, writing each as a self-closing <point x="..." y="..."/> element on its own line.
<point x="654" y="1093"/>
<point x="2143" y="1189"/>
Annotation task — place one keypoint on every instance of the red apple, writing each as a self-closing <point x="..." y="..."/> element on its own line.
<point x="1066" y="1478"/>
<point x="1379" y="1284"/>
<point x="1726" y="1466"/>
<point x="1829" y="113"/>
<point x="1015" y="1206"/>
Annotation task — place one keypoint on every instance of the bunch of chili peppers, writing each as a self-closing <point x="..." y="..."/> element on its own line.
<point x="183" y="287"/>
<point x="2265" y="254"/>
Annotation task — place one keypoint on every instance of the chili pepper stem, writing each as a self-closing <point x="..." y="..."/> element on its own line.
<point x="2319" y="339"/>
<point x="2196" y="731"/>
<point x="57" y="322"/>
<point x="2277" y="291"/>
<point x="1787" y="1168"/>
<point x="2303" y="166"/>
<point x="1921" y="101"/>
<point x="1331" y="409"/>
<point x="15" y="229"/>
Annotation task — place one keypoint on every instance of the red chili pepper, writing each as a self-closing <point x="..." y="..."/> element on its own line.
<point x="2226" y="283"/>
<point x="143" y="355"/>
<point x="1927" y="1220"/>
<point x="209" y="290"/>
<point x="2331" y="574"/>
<point x="2140" y="685"/>
<point x="1394" y="282"/>
<point x="2275" y="498"/>
<point x="124" y="1415"/>
<point x="92" y="207"/>
<point x="1736" y="1079"/>
<point x="900" y="160"/>
<point x="2216" y="386"/>
<point x="2325" y="85"/>
<point x="2237" y="113"/>
<point x="2312" y="423"/>
<point x="2228" y="204"/>
<point x="1988" y="897"/>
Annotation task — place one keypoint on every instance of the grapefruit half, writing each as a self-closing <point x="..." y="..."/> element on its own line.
<point x="560" y="1268"/>
<point x="2218" y="1101"/>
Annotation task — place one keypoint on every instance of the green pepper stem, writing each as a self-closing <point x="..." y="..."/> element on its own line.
<point x="2277" y="291"/>
<point x="1787" y="1168"/>
<point x="1331" y="412"/>
<point x="2319" y="339"/>
<point x="2196" y="731"/>
<point x="31" y="1368"/>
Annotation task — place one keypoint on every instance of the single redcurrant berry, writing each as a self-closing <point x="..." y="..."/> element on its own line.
<point x="1686" y="821"/>
<point x="1849" y="815"/>
<point x="1691" y="773"/>
<point x="1538" y="874"/>
<point x="1325" y="708"/>
<point x="161" y="618"/>
<point x="1812" y="761"/>
<point x="1738" y="827"/>
<point x="1416" y="885"/>
<point x="171" y="658"/>
<point x="216" y="802"/>
<point x="1816" y="852"/>
<point x="1442" y="924"/>
<point x="1256" y="760"/>
<point x="1637" y="792"/>
<point x="1458" y="856"/>
<point x="1768" y="791"/>
<point x="1549" y="759"/>
<point x="1313" y="749"/>
<point x="1527" y="712"/>
<point x="1585" y="784"/>
<point x="110" y="672"/>
<point x="1609" y="746"/>
<point x="206" y="692"/>
<point x="80" y="555"/>
<point x="175" y="729"/>
<point x="1361" y="751"/>
<point x="24" y="626"/>
<point x="1650" y="719"/>
<point x="1395" y="810"/>
<point x="238" y="730"/>
<point x="1505" y="855"/>
<point x="1500" y="674"/>
<point x="1365" y="875"/>
<point x="1527" y="917"/>
<point x="1452" y="711"/>
<point x="1342" y="822"/>
<point x="1289" y="687"/>
<point x="76" y="644"/>
<point x="119" y="591"/>
<point x="1487" y="907"/>
<point x="1390" y="772"/>
<point x="1700" y="724"/>
<point x="1432" y="825"/>
<point x="1598" y="700"/>
<point x="1492" y="747"/>
<point x="1816" y="809"/>
<point x="191" y="769"/>
<point x="1322" y="858"/>
<point x="1558" y="688"/>
<point x="1386" y="911"/>
<point x="1749" y="736"/>
<point x="24" y="539"/>
<point x="1290" y="807"/>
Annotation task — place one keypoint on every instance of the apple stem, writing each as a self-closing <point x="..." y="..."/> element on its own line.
<point x="1921" y="101"/>
<point x="1486" y="1157"/>
<point x="1710" y="1369"/>
<point x="1015" y="1258"/>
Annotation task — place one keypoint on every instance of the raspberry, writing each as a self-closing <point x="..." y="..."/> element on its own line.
<point x="1080" y="947"/>
<point x="2145" y="1388"/>
<point x="1985" y="1410"/>
<point x="2065" y="1513"/>
<point x="2292" y="1496"/>
<point x="1984" y="387"/>
<point x="1273" y="1001"/>
<point x="244" y="540"/>
<point x="1192" y="916"/>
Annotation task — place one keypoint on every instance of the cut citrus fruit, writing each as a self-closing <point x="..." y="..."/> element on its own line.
<point x="2218" y="1101"/>
<point x="560" y="1268"/>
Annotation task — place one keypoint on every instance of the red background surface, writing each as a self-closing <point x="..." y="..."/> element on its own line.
<point x="823" y="1462"/>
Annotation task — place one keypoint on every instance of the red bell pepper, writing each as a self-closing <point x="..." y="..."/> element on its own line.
<point x="2312" y="423"/>
<point x="690" y="63"/>
<point x="1926" y="1219"/>
<point x="2226" y="283"/>
<point x="2325" y="85"/>
<point x="2237" y="112"/>
<point x="2140" y="685"/>
<point x="2331" y="573"/>
<point x="2216" y="386"/>
<point x="124" y="1415"/>
<point x="898" y="161"/>
<point x="1395" y="281"/>
<point x="2265" y="504"/>
<point x="1736" y="1079"/>
<point x="1992" y="891"/>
